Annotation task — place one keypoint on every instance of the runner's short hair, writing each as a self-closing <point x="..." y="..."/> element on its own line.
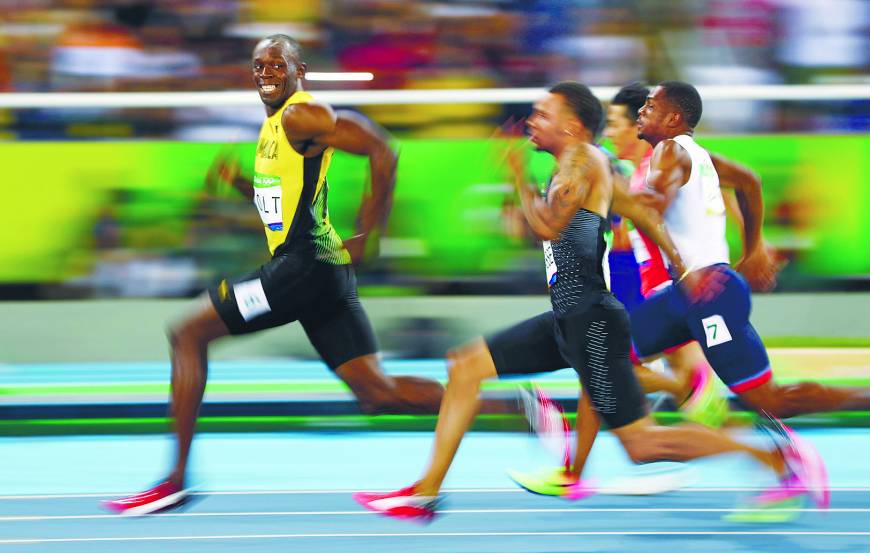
<point x="582" y="103"/>
<point x="633" y="97"/>
<point x="686" y="98"/>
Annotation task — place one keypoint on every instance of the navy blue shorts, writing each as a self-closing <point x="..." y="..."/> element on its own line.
<point x="731" y="345"/>
<point x="625" y="278"/>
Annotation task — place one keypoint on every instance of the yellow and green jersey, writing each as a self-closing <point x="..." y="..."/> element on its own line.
<point x="290" y="192"/>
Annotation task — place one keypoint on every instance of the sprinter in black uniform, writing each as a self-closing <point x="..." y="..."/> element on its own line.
<point x="587" y="329"/>
<point x="309" y="278"/>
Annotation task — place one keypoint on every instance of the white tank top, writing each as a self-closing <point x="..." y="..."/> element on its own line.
<point x="696" y="217"/>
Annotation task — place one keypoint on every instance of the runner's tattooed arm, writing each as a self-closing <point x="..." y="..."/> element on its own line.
<point x="547" y="216"/>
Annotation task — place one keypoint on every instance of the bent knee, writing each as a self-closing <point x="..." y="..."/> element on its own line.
<point x="180" y="334"/>
<point x="460" y="373"/>
<point x="470" y="364"/>
<point x="377" y="396"/>
<point x="187" y="333"/>
<point x="456" y="369"/>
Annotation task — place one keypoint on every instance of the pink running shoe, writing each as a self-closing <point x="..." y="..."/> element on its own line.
<point x="806" y="469"/>
<point x="789" y="488"/>
<point x="365" y="497"/>
<point x="402" y="504"/>
<point x="162" y="497"/>
<point x="548" y="422"/>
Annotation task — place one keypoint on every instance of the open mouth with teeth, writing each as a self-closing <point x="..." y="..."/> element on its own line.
<point x="268" y="88"/>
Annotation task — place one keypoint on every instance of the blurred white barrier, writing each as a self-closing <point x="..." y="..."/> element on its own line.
<point x="236" y="98"/>
<point x="134" y="329"/>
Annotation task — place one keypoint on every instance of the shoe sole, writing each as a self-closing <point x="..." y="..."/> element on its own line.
<point x="163" y="504"/>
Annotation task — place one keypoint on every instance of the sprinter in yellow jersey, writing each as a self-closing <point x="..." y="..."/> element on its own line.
<point x="309" y="278"/>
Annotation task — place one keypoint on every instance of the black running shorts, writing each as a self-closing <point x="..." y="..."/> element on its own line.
<point x="321" y="296"/>
<point x="594" y="340"/>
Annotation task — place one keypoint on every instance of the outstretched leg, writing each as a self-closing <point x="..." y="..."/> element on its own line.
<point x="189" y="342"/>
<point x="469" y="365"/>
<point x="646" y="442"/>
<point x="804" y="397"/>
<point x="525" y="348"/>
<point x="380" y="393"/>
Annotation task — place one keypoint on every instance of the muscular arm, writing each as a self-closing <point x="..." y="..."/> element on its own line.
<point x="733" y="213"/>
<point x="352" y="133"/>
<point x="747" y="187"/>
<point x="620" y="228"/>
<point x="548" y="216"/>
<point x="648" y="219"/>
<point x="357" y="135"/>
<point x="758" y="264"/>
<point x="699" y="285"/>
<point x="244" y="185"/>
<point x="225" y="168"/>
<point x="670" y="168"/>
<point x="308" y="121"/>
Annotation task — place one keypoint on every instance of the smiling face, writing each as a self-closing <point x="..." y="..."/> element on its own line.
<point x="550" y="124"/>
<point x="277" y="72"/>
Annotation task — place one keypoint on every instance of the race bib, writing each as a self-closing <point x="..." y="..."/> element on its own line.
<point x="251" y="299"/>
<point x="716" y="330"/>
<point x="550" y="263"/>
<point x="267" y="198"/>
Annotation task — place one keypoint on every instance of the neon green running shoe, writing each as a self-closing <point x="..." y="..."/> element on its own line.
<point x="785" y="510"/>
<point x="553" y="482"/>
<point x="707" y="404"/>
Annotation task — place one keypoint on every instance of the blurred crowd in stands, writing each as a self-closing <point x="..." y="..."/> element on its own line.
<point x="127" y="239"/>
<point x="204" y="45"/>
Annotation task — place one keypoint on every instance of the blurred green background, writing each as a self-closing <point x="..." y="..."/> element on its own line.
<point x="72" y="207"/>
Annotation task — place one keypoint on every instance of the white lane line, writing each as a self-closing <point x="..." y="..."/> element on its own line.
<point x="32" y="518"/>
<point x="604" y="490"/>
<point x="418" y="535"/>
<point x="822" y="352"/>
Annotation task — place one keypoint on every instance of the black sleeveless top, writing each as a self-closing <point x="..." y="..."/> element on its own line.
<point x="580" y="254"/>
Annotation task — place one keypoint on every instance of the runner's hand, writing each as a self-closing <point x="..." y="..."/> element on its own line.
<point x="512" y="141"/>
<point x="704" y="285"/>
<point x="224" y="169"/>
<point x="760" y="267"/>
<point x="356" y="247"/>
<point x="515" y="156"/>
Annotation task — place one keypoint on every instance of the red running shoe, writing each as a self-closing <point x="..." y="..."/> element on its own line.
<point x="401" y="504"/>
<point x="162" y="497"/>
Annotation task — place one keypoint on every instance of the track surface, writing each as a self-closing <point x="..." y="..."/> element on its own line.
<point x="274" y="492"/>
